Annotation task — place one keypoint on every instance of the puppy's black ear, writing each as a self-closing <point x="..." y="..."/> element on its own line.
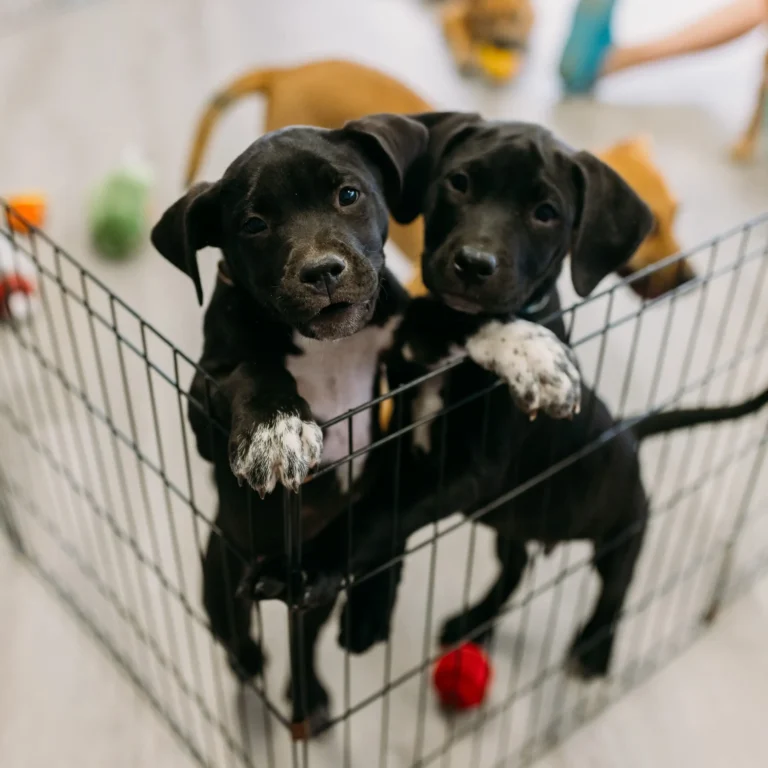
<point x="191" y="223"/>
<point x="446" y="131"/>
<point x="394" y="143"/>
<point x="611" y="222"/>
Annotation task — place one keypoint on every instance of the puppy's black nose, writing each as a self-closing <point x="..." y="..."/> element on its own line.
<point x="474" y="265"/>
<point x="323" y="274"/>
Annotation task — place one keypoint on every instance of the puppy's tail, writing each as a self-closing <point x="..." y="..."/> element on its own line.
<point x="259" y="81"/>
<point x="668" y="421"/>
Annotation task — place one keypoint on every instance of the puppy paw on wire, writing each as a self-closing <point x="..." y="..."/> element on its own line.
<point x="541" y="371"/>
<point x="281" y="450"/>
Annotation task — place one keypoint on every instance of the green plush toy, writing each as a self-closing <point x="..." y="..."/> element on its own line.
<point x="119" y="209"/>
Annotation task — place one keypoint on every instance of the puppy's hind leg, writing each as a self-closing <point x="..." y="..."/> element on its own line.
<point x="230" y="616"/>
<point x="310" y="700"/>
<point x="367" y="614"/>
<point x="615" y="558"/>
<point x="476" y="624"/>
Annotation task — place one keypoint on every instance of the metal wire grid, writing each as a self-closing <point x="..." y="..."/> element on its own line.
<point x="105" y="497"/>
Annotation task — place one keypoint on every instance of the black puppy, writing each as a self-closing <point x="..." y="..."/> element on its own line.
<point x="504" y="203"/>
<point x="301" y="219"/>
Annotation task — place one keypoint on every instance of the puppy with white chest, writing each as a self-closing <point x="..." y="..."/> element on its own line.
<point x="302" y="309"/>
<point x="303" y="306"/>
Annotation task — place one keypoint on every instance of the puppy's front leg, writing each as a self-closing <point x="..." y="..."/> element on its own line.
<point x="273" y="437"/>
<point x="541" y="371"/>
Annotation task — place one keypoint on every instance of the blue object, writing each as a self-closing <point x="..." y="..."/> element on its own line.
<point x="587" y="45"/>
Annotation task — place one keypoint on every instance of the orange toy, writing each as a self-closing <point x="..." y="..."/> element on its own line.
<point x="30" y="209"/>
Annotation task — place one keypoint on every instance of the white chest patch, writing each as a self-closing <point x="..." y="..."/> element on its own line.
<point x="336" y="376"/>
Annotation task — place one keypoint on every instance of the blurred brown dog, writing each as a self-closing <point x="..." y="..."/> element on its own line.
<point x="330" y="93"/>
<point x="632" y="160"/>
<point x="489" y="36"/>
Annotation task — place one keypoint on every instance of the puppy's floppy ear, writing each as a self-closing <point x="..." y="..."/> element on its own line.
<point x="446" y="131"/>
<point x="611" y="222"/>
<point x="191" y="223"/>
<point x="394" y="143"/>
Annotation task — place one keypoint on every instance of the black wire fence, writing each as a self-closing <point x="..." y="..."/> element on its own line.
<point x="102" y="492"/>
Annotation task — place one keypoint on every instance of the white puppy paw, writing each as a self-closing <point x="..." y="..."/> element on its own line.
<point x="540" y="370"/>
<point x="283" y="450"/>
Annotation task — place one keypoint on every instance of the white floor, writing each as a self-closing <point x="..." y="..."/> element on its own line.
<point x="75" y="88"/>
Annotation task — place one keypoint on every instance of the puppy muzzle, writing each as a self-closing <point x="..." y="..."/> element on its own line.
<point x="329" y="295"/>
<point x="474" y="280"/>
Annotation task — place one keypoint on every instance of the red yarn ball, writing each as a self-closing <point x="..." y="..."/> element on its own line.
<point x="462" y="676"/>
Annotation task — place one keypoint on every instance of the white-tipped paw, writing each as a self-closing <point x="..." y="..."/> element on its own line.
<point x="282" y="450"/>
<point x="540" y="370"/>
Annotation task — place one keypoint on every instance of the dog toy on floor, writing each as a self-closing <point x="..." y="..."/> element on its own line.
<point x="31" y="208"/>
<point x="18" y="285"/>
<point x="119" y="212"/>
<point x="462" y="677"/>
<point x="488" y="36"/>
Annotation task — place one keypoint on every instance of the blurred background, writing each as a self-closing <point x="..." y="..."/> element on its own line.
<point x="82" y="80"/>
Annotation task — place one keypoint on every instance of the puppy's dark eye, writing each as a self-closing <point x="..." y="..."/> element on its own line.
<point x="545" y="213"/>
<point x="254" y="225"/>
<point x="459" y="181"/>
<point x="348" y="196"/>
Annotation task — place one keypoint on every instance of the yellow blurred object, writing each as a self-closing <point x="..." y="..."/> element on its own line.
<point x="498" y="63"/>
<point x="488" y="37"/>
<point x="386" y="407"/>
<point x="30" y="209"/>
